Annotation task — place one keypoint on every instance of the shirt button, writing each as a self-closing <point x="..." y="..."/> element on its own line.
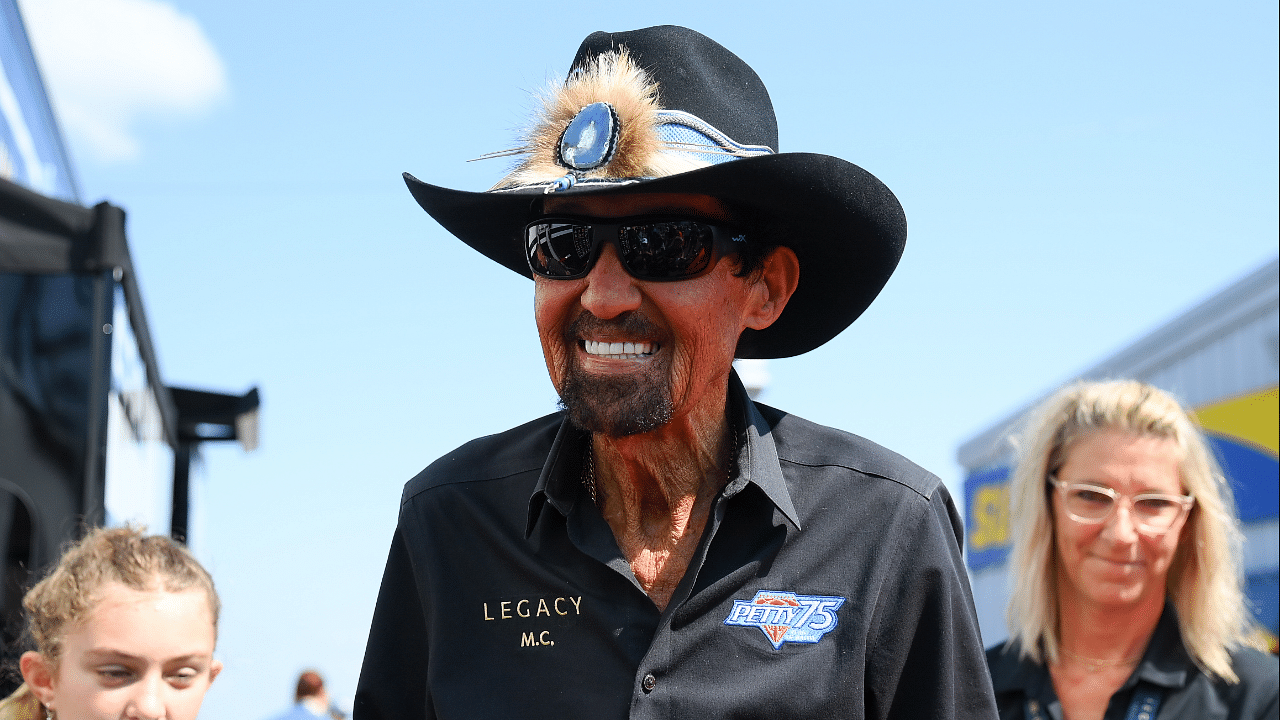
<point x="649" y="682"/>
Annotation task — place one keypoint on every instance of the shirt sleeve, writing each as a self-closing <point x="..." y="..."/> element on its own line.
<point x="393" y="678"/>
<point x="925" y="655"/>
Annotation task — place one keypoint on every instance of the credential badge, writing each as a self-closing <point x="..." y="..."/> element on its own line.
<point x="787" y="617"/>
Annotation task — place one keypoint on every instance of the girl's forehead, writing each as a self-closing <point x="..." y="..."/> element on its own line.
<point x="146" y="626"/>
<point x="118" y="602"/>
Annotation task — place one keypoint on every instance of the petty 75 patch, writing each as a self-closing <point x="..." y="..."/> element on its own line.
<point x="787" y="617"/>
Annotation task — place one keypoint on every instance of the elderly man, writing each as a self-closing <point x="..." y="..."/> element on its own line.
<point x="664" y="547"/>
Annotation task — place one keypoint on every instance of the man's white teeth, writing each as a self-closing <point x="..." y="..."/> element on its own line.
<point x="622" y="350"/>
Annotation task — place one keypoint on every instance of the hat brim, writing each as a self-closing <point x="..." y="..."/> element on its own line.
<point x="845" y="226"/>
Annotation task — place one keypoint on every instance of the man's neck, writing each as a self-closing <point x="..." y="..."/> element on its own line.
<point x="656" y="489"/>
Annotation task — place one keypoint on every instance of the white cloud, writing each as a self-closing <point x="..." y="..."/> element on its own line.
<point x="108" y="63"/>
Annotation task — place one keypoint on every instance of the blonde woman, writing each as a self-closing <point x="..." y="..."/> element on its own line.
<point x="124" y="627"/>
<point x="1127" y="598"/>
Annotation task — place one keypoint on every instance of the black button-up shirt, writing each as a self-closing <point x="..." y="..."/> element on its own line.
<point x="828" y="583"/>
<point x="1186" y="692"/>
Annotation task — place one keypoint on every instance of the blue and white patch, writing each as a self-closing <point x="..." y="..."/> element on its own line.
<point x="787" y="617"/>
<point x="591" y="138"/>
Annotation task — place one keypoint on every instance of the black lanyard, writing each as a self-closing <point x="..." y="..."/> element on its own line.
<point x="1145" y="705"/>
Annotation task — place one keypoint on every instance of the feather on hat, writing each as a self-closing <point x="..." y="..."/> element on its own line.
<point x="614" y="79"/>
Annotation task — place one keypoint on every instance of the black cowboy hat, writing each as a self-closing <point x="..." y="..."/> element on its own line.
<point x="847" y="229"/>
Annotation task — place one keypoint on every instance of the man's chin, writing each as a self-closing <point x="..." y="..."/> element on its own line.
<point x="614" y="406"/>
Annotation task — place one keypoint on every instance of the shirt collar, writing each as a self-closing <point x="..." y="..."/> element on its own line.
<point x="1012" y="671"/>
<point x="758" y="456"/>
<point x="1166" y="662"/>
<point x="559" y="485"/>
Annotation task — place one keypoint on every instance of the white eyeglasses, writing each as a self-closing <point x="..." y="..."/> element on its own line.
<point x="1152" y="513"/>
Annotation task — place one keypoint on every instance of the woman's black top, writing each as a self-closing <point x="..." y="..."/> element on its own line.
<point x="1024" y="689"/>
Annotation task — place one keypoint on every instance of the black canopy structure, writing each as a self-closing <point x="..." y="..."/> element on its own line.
<point x="58" y="264"/>
<point x="89" y="432"/>
<point x="205" y="416"/>
<point x="67" y="283"/>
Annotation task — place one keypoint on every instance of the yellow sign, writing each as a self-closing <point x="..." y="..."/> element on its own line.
<point x="989" y="516"/>
<point x="1254" y="418"/>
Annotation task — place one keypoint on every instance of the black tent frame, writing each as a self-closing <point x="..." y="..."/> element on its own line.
<point x="43" y="235"/>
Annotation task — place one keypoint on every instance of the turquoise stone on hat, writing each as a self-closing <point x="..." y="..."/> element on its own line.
<point x="591" y="137"/>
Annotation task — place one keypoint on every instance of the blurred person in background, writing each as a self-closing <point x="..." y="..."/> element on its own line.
<point x="124" y="627"/>
<point x="311" y="700"/>
<point x="1127" y="584"/>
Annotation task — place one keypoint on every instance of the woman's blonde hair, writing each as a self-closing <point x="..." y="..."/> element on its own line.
<point x="21" y="705"/>
<point x="124" y="555"/>
<point x="1205" y="578"/>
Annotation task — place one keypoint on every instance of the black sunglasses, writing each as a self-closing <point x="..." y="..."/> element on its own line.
<point x="649" y="248"/>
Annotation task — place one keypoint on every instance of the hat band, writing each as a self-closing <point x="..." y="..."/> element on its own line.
<point x="678" y="131"/>
<point x="689" y="133"/>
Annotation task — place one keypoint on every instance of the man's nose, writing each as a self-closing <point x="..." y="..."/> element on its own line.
<point x="610" y="291"/>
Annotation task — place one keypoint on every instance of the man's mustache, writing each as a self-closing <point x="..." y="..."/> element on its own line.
<point x="628" y="323"/>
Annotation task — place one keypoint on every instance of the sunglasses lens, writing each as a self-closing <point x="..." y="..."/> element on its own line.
<point x="666" y="250"/>
<point x="558" y="249"/>
<point x="661" y="250"/>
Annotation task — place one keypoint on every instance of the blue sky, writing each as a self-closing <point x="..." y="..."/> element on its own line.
<point x="1073" y="176"/>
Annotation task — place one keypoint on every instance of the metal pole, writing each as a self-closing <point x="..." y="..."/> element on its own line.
<point x="181" y="491"/>
<point x="93" y="495"/>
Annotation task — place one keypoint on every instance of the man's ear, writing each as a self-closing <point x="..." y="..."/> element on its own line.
<point x="38" y="674"/>
<point x="779" y="277"/>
